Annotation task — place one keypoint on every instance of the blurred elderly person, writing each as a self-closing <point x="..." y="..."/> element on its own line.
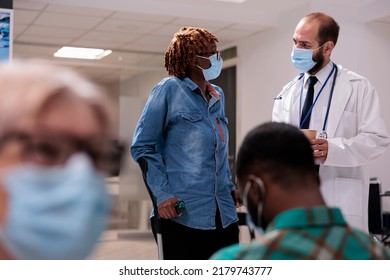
<point x="54" y="130"/>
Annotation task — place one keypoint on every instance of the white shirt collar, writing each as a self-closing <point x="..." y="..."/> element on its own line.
<point x="322" y="74"/>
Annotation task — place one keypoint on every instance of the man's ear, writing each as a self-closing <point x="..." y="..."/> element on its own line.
<point x="254" y="192"/>
<point x="328" y="48"/>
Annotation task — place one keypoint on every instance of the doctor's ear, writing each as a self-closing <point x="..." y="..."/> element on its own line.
<point x="328" y="48"/>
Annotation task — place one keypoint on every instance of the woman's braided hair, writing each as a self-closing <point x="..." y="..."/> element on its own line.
<point x="184" y="47"/>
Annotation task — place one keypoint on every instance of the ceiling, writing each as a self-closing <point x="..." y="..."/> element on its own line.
<point x="139" y="31"/>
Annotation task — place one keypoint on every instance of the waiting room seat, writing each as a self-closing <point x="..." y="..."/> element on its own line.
<point x="378" y="221"/>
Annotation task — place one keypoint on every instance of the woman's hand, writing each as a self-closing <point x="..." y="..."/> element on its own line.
<point x="236" y="198"/>
<point x="167" y="209"/>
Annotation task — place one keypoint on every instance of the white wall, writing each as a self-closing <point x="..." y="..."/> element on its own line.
<point x="264" y="66"/>
<point x="133" y="95"/>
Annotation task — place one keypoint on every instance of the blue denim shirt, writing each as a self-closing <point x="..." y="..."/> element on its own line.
<point x="184" y="140"/>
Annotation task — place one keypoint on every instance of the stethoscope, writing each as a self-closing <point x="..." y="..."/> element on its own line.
<point x="323" y="133"/>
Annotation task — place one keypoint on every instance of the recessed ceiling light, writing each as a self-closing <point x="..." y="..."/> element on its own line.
<point x="82" y="53"/>
<point x="232" y="1"/>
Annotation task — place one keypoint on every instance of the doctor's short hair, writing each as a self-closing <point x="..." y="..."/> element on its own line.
<point x="182" y="50"/>
<point x="328" y="28"/>
<point x="279" y="151"/>
<point x="26" y="86"/>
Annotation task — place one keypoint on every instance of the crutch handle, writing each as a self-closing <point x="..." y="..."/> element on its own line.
<point x="180" y="207"/>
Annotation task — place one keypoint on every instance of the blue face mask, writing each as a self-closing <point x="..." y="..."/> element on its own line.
<point x="56" y="212"/>
<point x="215" y="69"/>
<point x="259" y="224"/>
<point x="302" y="59"/>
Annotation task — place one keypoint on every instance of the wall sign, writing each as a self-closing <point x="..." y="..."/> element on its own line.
<point x="5" y="34"/>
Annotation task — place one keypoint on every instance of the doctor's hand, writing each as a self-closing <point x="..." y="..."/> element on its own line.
<point x="167" y="209"/>
<point x="320" y="149"/>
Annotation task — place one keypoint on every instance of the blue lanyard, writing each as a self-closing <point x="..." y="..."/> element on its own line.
<point x="318" y="95"/>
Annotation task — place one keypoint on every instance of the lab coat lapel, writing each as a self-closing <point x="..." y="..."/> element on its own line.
<point x="291" y="106"/>
<point x="341" y="95"/>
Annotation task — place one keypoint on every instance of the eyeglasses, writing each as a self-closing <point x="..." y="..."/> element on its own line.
<point x="207" y="55"/>
<point x="55" y="149"/>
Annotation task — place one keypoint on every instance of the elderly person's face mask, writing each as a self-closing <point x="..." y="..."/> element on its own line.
<point x="54" y="213"/>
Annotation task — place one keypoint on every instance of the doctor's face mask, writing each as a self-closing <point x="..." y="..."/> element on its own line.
<point x="302" y="59"/>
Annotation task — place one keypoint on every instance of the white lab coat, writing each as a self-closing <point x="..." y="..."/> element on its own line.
<point x="356" y="135"/>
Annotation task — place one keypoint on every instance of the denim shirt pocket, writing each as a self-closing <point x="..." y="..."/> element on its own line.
<point x="191" y="116"/>
<point x="189" y="124"/>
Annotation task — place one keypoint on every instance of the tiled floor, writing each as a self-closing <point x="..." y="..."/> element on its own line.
<point x="126" y="245"/>
<point x="134" y="245"/>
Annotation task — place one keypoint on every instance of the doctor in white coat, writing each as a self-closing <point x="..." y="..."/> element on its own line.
<point x="345" y="111"/>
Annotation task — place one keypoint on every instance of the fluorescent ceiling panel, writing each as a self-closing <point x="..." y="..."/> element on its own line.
<point x="82" y="53"/>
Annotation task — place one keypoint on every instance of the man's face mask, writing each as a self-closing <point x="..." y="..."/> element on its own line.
<point x="255" y="217"/>
<point x="302" y="59"/>
<point x="54" y="212"/>
<point x="215" y="69"/>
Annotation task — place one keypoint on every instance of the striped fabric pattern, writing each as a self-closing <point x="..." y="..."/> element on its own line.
<point x="309" y="234"/>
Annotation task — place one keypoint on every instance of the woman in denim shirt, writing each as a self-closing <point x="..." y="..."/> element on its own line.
<point x="182" y="137"/>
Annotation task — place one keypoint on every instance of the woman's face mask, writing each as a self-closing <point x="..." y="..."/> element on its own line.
<point x="215" y="69"/>
<point x="56" y="212"/>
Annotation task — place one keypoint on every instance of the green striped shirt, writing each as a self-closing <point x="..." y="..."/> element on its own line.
<point x="305" y="234"/>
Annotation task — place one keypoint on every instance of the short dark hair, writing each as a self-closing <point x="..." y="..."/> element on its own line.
<point x="278" y="150"/>
<point x="328" y="27"/>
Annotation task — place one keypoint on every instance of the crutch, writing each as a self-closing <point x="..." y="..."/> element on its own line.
<point x="179" y="206"/>
<point x="157" y="224"/>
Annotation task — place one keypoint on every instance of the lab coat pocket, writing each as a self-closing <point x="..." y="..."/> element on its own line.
<point x="347" y="126"/>
<point x="349" y="196"/>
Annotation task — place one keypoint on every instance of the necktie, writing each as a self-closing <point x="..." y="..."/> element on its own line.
<point x="308" y="102"/>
